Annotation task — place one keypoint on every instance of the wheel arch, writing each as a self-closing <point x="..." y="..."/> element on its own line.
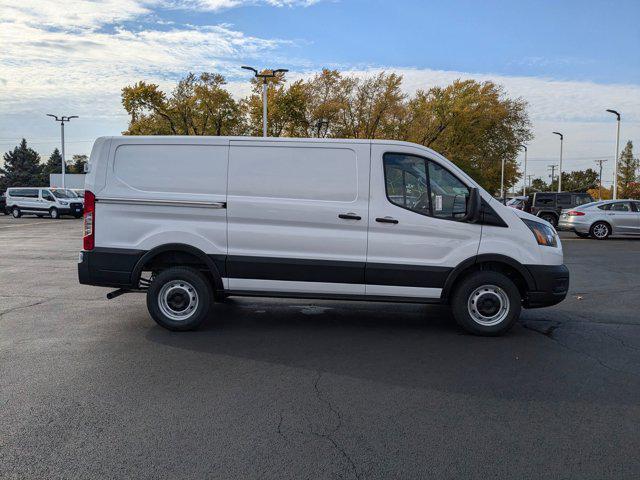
<point x="496" y="262"/>
<point x="179" y="250"/>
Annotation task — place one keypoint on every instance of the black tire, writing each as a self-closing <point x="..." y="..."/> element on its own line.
<point x="600" y="230"/>
<point x="582" y="235"/>
<point x="498" y="289"/>
<point x="76" y="215"/>
<point x="551" y="218"/>
<point x="53" y="213"/>
<point x="179" y="292"/>
<point x="15" y="211"/>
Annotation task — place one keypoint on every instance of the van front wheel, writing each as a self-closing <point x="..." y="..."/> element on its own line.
<point x="53" y="213"/>
<point x="179" y="298"/>
<point x="486" y="303"/>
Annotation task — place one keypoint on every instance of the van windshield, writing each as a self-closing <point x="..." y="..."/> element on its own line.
<point x="61" y="194"/>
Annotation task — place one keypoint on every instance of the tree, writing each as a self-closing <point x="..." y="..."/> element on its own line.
<point x="539" y="185"/>
<point x="53" y="165"/>
<point x="22" y="167"/>
<point x="474" y="125"/>
<point x="197" y="106"/>
<point x="627" y="171"/>
<point x="77" y="164"/>
<point x="576" y="181"/>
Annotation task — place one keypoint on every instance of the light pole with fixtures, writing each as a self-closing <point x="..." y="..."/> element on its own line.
<point x="62" y="119"/>
<point x="615" y="165"/>
<point x="264" y="76"/>
<point x="560" y="166"/>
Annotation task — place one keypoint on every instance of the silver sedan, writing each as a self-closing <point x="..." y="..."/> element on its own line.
<point x="601" y="219"/>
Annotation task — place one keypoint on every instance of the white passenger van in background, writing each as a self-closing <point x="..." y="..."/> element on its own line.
<point x="192" y="219"/>
<point x="52" y="202"/>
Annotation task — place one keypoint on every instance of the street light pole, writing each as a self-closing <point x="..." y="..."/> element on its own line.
<point x="560" y="166"/>
<point x="524" y="176"/>
<point x="502" y="182"/>
<point x="264" y="76"/>
<point x="615" y="165"/>
<point x="62" y="120"/>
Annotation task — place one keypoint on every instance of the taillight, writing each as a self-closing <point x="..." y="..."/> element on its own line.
<point x="575" y="213"/>
<point x="88" y="227"/>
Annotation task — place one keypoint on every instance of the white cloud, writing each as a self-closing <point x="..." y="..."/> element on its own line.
<point x="215" y="5"/>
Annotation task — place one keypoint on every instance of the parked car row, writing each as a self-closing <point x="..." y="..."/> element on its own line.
<point x="601" y="219"/>
<point x="52" y="202"/>
<point x="579" y="213"/>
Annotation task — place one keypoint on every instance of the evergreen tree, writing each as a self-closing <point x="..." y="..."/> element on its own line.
<point x="22" y="167"/>
<point x="627" y="171"/>
<point x="53" y="165"/>
<point x="77" y="164"/>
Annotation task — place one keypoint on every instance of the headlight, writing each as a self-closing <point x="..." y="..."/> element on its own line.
<point x="64" y="203"/>
<point x="544" y="234"/>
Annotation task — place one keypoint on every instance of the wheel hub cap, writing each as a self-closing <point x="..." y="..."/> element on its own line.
<point x="178" y="300"/>
<point x="488" y="305"/>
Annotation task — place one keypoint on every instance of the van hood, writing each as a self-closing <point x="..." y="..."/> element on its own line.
<point x="527" y="216"/>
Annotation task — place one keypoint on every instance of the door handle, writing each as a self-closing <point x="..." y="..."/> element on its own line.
<point x="349" y="216"/>
<point x="386" y="220"/>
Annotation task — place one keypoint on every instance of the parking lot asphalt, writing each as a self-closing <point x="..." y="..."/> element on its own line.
<point x="93" y="388"/>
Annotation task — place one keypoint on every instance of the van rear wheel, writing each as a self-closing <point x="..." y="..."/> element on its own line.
<point x="15" y="211"/>
<point x="179" y="298"/>
<point x="486" y="303"/>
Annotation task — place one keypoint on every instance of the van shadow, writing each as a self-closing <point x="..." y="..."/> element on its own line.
<point x="411" y="346"/>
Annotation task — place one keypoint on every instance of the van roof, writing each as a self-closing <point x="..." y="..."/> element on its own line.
<point x="201" y="138"/>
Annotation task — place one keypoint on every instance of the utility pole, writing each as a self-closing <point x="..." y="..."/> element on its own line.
<point x="600" y="162"/>
<point x="560" y="167"/>
<point x="524" y="175"/>
<point x="62" y="119"/>
<point x="264" y="77"/>
<point x="529" y="179"/>
<point x="615" y="165"/>
<point x="553" y="171"/>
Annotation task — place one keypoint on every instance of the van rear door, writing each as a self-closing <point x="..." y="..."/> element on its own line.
<point x="415" y="236"/>
<point x="297" y="216"/>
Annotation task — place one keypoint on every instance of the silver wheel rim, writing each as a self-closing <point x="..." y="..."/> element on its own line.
<point x="15" y="212"/>
<point x="178" y="300"/>
<point x="600" y="230"/>
<point x="54" y="213"/>
<point x="488" y="305"/>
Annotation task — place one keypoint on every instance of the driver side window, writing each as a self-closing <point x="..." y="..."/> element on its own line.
<point x="406" y="182"/>
<point x="424" y="187"/>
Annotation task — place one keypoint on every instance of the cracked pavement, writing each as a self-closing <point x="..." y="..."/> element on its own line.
<point x="92" y="388"/>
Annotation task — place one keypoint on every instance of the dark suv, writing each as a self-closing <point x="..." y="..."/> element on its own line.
<point x="548" y="205"/>
<point x="3" y="204"/>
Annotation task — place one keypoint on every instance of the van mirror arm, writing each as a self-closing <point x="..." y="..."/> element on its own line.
<point x="473" y="206"/>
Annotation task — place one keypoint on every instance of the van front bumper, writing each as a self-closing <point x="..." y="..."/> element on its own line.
<point x="108" y="267"/>
<point x="552" y="285"/>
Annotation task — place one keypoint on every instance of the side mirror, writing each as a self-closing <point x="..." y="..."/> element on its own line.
<point x="473" y="206"/>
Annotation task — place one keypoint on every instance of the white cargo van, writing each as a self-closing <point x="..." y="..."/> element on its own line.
<point x="190" y="219"/>
<point x="53" y="202"/>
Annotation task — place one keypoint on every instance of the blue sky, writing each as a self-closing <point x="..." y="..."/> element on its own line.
<point x="570" y="59"/>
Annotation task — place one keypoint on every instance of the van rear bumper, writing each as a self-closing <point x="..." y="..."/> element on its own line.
<point x="108" y="267"/>
<point x="552" y="285"/>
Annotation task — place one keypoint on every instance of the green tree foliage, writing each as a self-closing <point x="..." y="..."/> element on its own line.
<point x="538" y="185"/>
<point x="77" y="164"/>
<point x="53" y="165"/>
<point x="21" y="167"/>
<point x="627" y="172"/>
<point x="472" y="123"/>
<point x="576" y="181"/>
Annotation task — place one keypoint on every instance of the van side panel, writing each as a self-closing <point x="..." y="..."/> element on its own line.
<point x="161" y="193"/>
<point x="284" y="205"/>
